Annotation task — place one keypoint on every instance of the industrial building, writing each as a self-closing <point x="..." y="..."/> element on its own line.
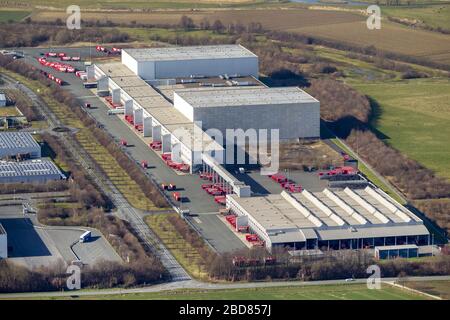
<point x="13" y="144"/>
<point x="29" y="171"/>
<point x="2" y="100"/>
<point x="291" y="110"/>
<point x="329" y="220"/>
<point x="194" y="61"/>
<point x="3" y="243"/>
<point x="163" y="92"/>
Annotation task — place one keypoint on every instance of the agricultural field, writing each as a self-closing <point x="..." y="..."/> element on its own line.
<point x="414" y="117"/>
<point x="338" y="25"/>
<point x="139" y="4"/>
<point x="182" y="250"/>
<point x="12" y="15"/>
<point x="316" y="292"/>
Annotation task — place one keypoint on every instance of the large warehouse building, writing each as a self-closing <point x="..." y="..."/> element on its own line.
<point x="13" y="144"/>
<point x="291" y="110"/>
<point x="198" y="61"/>
<point x="3" y="243"/>
<point x="339" y="219"/>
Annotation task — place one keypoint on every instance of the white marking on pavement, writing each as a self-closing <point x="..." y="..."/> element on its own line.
<point x="196" y="219"/>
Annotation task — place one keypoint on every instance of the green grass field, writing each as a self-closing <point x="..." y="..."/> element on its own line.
<point x="12" y="15"/>
<point x="322" y="292"/>
<point x="414" y="117"/>
<point x="433" y="16"/>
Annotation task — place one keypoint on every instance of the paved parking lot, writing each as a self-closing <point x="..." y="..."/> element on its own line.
<point x="32" y="245"/>
<point x="95" y="250"/>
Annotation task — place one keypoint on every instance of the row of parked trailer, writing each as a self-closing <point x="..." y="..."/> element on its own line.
<point x="338" y="172"/>
<point x="285" y="183"/>
<point x="250" y="237"/>
<point x="58" y="66"/>
<point x="103" y="49"/>
<point x="239" y="261"/>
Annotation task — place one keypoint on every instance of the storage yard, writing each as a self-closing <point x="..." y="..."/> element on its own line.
<point x="150" y="106"/>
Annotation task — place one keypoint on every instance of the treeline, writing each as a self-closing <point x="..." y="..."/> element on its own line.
<point x="24" y="104"/>
<point x="338" y="100"/>
<point x="31" y="35"/>
<point x="82" y="189"/>
<point x="332" y="265"/>
<point x="50" y="186"/>
<point x="104" y="274"/>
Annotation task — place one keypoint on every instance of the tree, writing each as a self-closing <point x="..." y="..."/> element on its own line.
<point x="218" y="27"/>
<point x="186" y="23"/>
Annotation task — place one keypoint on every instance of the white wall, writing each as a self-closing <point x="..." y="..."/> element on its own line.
<point x="185" y="108"/>
<point x="129" y="61"/>
<point x="3" y="246"/>
<point x="293" y="120"/>
<point x="247" y="66"/>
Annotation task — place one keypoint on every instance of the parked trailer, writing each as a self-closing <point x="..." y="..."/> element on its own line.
<point x="85" y="236"/>
<point x="116" y="111"/>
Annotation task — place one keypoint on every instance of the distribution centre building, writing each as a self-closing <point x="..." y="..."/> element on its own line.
<point x="177" y="62"/>
<point x="291" y="110"/>
<point x="18" y="143"/>
<point x="338" y="219"/>
<point x="3" y="243"/>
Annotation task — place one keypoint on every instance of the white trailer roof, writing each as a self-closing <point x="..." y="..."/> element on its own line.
<point x="228" y="97"/>
<point x="190" y="53"/>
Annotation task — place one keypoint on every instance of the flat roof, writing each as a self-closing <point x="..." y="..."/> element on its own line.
<point x="114" y="69"/>
<point x="28" y="168"/>
<point x="13" y="140"/>
<point x="208" y="83"/>
<point x="337" y="214"/>
<point x="397" y="247"/>
<point x="190" y="53"/>
<point x="248" y="96"/>
<point x="157" y="106"/>
<point x="2" y="97"/>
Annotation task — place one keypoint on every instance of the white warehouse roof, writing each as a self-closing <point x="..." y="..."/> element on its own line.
<point x="224" y="97"/>
<point x="190" y="53"/>
<point x="28" y="168"/>
<point x="329" y="215"/>
<point x="14" y="140"/>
